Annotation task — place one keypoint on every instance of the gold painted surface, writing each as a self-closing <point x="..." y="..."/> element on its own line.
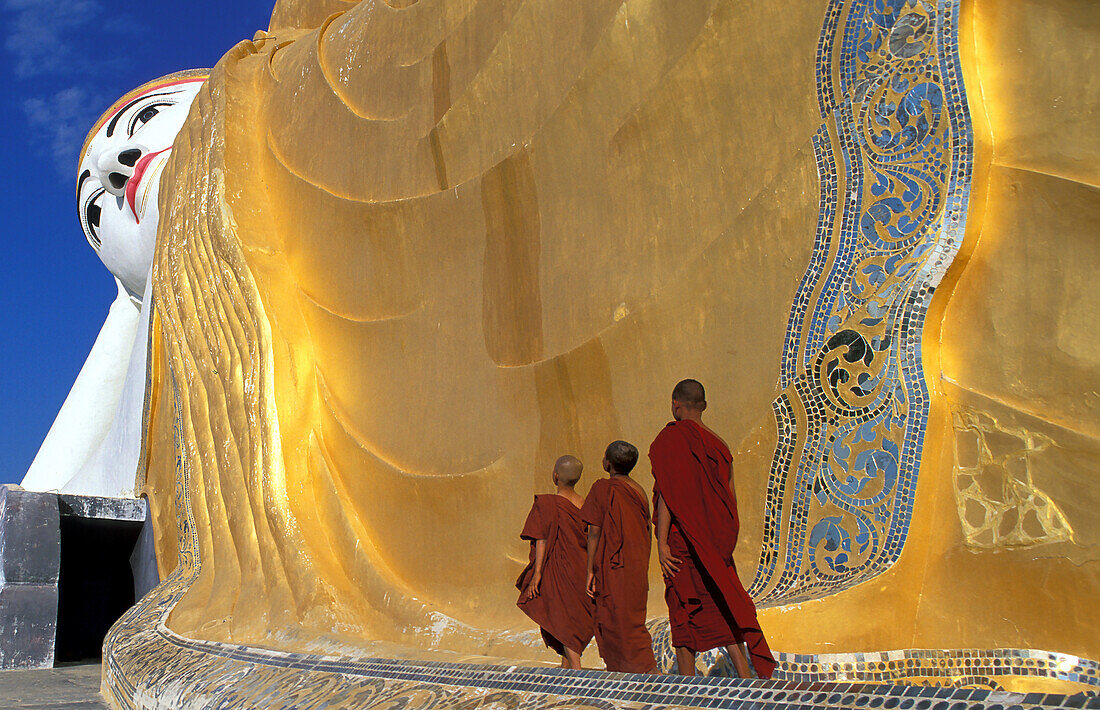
<point x="1029" y="295"/>
<point x="495" y="232"/>
<point x="159" y="456"/>
<point x="1036" y="62"/>
<point x="1019" y="347"/>
<point x="1010" y="349"/>
<point x="412" y="254"/>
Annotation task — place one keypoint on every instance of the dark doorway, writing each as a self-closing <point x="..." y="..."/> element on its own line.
<point x="95" y="585"/>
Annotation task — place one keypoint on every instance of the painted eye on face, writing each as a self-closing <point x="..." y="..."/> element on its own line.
<point x="145" y="115"/>
<point x="92" y="212"/>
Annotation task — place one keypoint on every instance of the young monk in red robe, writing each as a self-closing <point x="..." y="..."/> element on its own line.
<point x="551" y="587"/>
<point x="697" y="529"/>
<point x="617" y="514"/>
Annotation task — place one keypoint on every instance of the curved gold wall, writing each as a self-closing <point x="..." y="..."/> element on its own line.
<point x="433" y="249"/>
<point x="1000" y="552"/>
<point x="1019" y="361"/>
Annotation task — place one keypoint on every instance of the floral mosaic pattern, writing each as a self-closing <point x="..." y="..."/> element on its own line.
<point x="894" y="158"/>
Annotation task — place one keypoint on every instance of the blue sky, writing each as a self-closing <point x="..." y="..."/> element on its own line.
<point x="64" y="63"/>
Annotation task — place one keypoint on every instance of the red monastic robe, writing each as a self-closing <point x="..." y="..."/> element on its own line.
<point x="563" y="609"/>
<point x="622" y="574"/>
<point x="707" y="604"/>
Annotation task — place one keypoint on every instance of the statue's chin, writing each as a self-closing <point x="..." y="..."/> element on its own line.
<point x="127" y="247"/>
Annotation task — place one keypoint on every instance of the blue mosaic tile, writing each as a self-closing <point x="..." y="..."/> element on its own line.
<point x="893" y="155"/>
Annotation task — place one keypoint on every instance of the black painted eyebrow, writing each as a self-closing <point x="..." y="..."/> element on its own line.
<point x="80" y="183"/>
<point x="127" y="107"/>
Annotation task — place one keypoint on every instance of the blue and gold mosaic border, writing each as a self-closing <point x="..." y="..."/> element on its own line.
<point x="974" y="667"/>
<point x="960" y="667"/>
<point x="894" y="156"/>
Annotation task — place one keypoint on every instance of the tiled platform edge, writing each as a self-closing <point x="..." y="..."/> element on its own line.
<point x="969" y="667"/>
<point x="148" y="666"/>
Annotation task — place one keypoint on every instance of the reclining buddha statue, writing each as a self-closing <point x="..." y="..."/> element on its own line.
<point x="411" y="252"/>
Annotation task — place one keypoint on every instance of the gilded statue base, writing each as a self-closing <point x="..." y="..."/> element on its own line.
<point x="412" y="251"/>
<point x="148" y="666"/>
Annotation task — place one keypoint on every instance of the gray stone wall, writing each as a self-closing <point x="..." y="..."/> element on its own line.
<point x="30" y="546"/>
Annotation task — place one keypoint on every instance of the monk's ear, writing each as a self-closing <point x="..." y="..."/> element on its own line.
<point x="703" y="406"/>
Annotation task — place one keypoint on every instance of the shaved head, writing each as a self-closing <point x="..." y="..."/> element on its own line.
<point x="622" y="456"/>
<point x="568" y="469"/>
<point x="690" y="393"/>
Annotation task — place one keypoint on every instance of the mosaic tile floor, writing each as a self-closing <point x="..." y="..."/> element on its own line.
<point x="147" y="666"/>
<point x="385" y="683"/>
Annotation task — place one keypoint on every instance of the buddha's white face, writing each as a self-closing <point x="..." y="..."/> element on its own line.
<point x="119" y="179"/>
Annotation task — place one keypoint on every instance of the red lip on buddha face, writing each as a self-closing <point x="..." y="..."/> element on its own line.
<point x="135" y="180"/>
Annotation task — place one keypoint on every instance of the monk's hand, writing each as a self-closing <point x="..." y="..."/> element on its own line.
<point x="532" y="590"/>
<point x="670" y="564"/>
<point x="590" y="584"/>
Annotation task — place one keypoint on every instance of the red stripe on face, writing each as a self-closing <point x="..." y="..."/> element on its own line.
<point x="135" y="180"/>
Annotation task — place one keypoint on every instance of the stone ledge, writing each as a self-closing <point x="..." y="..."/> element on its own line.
<point x="102" y="508"/>
<point x="30" y="566"/>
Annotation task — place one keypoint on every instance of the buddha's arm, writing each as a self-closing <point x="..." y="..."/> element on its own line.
<point x="111" y="468"/>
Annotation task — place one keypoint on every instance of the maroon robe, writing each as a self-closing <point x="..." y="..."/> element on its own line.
<point x="622" y="574"/>
<point x="563" y="609"/>
<point x="707" y="604"/>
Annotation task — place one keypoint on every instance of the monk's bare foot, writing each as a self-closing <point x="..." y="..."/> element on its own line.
<point x="685" y="661"/>
<point x="740" y="660"/>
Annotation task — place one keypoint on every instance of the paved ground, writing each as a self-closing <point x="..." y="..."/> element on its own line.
<point x="69" y="687"/>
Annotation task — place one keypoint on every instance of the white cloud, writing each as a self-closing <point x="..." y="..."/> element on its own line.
<point x="37" y="34"/>
<point x="61" y="121"/>
<point x="41" y="35"/>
